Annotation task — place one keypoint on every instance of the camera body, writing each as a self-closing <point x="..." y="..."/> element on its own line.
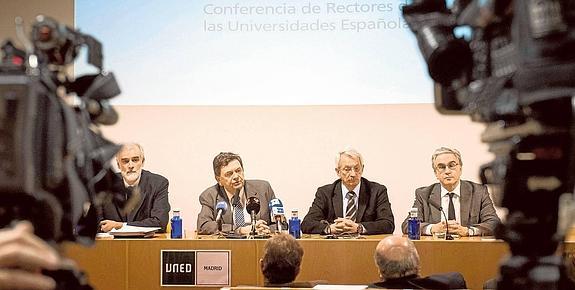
<point x="513" y="68"/>
<point x="54" y="166"/>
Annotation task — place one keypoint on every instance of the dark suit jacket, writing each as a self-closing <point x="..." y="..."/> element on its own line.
<point x="451" y="280"/>
<point x="214" y="194"/>
<point x="373" y="212"/>
<point x="152" y="210"/>
<point x="476" y="207"/>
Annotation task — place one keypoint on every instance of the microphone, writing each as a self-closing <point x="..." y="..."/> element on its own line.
<point x="277" y="212"/>
<point x="253" y="207"/>
<point x="221" y="208"/>
<point x="437" y="206"/>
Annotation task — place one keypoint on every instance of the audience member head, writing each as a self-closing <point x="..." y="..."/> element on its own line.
<point x="281" y="260"/>
<point x="396" y="257"/>
<point x="349" y="167"/>
<point x="447" y="164"/>
<point x="130" y="160"/>
<point x="229" y="171"/>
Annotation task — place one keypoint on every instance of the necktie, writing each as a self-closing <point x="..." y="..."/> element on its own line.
<point x="351" y="210"/>
<point x="451" y="209"/>
<point x="238" y="212"/>
<point x="129" y="191"/>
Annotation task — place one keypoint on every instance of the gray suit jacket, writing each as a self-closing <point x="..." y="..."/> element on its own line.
<point x="214" y="194"/>
<point x="476" y="207"/>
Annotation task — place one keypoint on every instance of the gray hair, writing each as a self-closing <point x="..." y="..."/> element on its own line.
<point x="445" y="150"/>
<point x="350" y="153"/>
<point x="397" y="261"/>
<point x="126" y="145"/>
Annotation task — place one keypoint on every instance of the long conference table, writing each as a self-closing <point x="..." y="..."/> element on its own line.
<point x="135" y="263"/>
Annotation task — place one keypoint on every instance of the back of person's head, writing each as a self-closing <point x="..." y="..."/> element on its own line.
<point x="281" y="260"/>
<point x="396" y="257"/>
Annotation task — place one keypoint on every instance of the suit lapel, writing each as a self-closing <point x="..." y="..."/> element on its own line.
<point x="435" y="196"/>
<point x="363" y="198"/>
<point x="337" y="200"/>
<point x="142" y="185"/>
<point x="465" y="202"/>
<point x="222" y="196"/>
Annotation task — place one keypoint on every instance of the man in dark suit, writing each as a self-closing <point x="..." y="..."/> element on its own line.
<point x="398" y="263"/>
<point x="351" y="204"/>
<point x="152" y="207"/>
<point x="235" y="192"/>
<point x="468" y="205"/>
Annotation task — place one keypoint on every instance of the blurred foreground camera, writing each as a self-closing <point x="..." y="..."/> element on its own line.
<point x="513" y="68"/>
<point x="54" y="163"/>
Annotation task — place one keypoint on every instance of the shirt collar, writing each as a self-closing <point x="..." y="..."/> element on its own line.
<point x="242" y="195"/>
<point x="344" y="190"/>
<point x="135" y="184"/>
<point x="456" y="190"/>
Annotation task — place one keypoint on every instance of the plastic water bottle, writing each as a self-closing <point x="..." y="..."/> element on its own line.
<point x="413" y="225"/>
<point x="176" y="225"/>
<point x="295" y="225"/>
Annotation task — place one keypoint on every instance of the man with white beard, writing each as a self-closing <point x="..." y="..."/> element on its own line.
<point x="152" y="207"/>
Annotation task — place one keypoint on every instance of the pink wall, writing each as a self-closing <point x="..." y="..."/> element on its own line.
<point x="293" y="147"/>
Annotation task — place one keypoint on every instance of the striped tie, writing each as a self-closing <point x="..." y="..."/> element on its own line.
<point x="239" y="220"/>
<point x="351" y="211"/>
<point x="239" y="216"/>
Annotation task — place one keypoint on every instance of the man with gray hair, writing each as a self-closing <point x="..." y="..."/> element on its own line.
<point x="351" y="204"/>
<point x="468" y="206"/>
<point x="152" y="207"/>
<point x="398" y="263"/>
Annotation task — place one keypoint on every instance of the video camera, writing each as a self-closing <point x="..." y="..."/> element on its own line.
<point x="512" y="67"/>
<point x="54" y="162"/>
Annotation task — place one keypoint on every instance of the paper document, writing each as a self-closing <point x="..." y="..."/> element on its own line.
<point x="133" y="231"/>
<point x="341" y="287"/>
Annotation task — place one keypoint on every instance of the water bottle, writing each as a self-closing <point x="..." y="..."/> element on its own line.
<point x="413" y="225"/>
<point x="295" y="225"/>
<point x="176" y="225"/>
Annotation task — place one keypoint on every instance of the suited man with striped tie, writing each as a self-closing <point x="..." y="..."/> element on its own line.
<point x="232" y="189"/>
<point x="351" y="204"/>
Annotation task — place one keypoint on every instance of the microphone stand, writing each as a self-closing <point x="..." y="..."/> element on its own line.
<point x="253" y="232"/>
<point x="440" y="208"/>
<point x="447" y="234"/>
<point x="279" y="225"/>
<point x="220" y="225"/>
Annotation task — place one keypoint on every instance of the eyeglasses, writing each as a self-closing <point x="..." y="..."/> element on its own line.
<point x="347" y="169"/>
<point x="442" y="167"/>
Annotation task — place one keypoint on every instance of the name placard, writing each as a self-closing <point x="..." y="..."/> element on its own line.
<point x="195" y="268"/>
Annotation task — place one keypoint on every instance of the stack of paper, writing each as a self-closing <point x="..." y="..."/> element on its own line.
<point x="133" y="231"/>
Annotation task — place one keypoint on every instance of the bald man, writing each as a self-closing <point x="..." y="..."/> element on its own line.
<point x="398" y="263"/>
<point x="152" y="208"/>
